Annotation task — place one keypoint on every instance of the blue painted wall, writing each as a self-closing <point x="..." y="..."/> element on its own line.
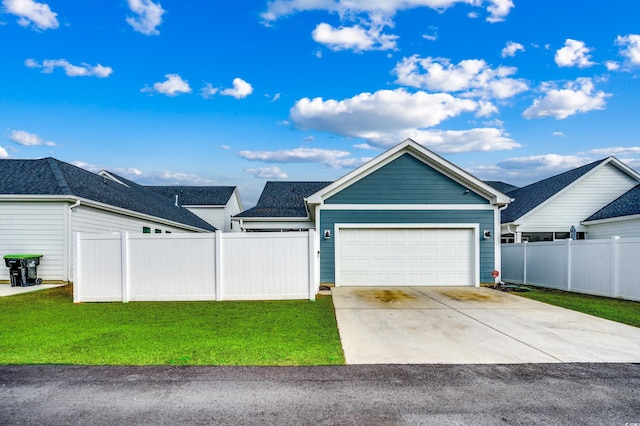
<point x="330" y="217"/>
<point x="406" y="180"/>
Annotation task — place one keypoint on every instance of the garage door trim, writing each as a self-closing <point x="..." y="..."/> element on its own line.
<point x="474" y="227"/>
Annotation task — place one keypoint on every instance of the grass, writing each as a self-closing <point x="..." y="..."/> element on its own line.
<point x="46" y="327"/>
<point x="624" y="311"/>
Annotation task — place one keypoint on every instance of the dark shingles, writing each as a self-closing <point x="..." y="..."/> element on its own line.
<point x="626" y="205"/>
<point x="49" y="176"/>
<point x="196" y="195"/>
<point x="529" y="197"/>
<point x="283" y="199"/>
<point x="500" y="186"/>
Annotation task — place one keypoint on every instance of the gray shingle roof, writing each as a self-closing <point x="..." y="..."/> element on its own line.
<point x="529" y="197"/>
<point x="49" y="176"/>
<point x="196" y="195"/>
<point x="500" y="186"/>
<point x="283" y="199"/>
<point x="626" y="205"/>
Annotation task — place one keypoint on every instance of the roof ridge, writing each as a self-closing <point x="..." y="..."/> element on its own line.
<point x="57" y="173"/>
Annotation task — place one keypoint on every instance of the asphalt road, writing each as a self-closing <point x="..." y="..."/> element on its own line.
<point x="519" y="394"/>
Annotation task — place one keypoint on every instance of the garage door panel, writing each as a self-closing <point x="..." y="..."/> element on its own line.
<point x="405" y="257"/>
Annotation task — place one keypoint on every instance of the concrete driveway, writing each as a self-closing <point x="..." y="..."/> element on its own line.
<point x="459" y="325"/>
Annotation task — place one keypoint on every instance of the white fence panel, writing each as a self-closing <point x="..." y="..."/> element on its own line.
<point x="173" y="267"/>
<point x="513" y="262"/>
<point x="593" y="263"/>
<point x="98" y="261"/>
<point x="265" y="266"/>
<point x="609" y="267"/>
<point x="546" y="264"/>
<point x="629" y="268"/>
<point x="179" y="267"/>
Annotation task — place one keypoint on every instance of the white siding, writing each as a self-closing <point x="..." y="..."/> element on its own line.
<point x="578" y="202"/>
<point x="95" y="221"/>
<point x="622" y="228"/>
<point x="38" y="228"/>
<point x="215" y="216"/>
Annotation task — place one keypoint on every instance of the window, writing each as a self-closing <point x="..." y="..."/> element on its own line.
<point x="507" y="239"/>
<point x="533" y="237"/>
<point x="167" y="232"/>
<point x="158" y="231"/>
<point x="146" y="230"/>
<point x="562" y="235"/>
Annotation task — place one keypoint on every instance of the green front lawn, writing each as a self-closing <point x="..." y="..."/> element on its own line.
<point x="624" y="311"/>
<point x="46" y="327"/>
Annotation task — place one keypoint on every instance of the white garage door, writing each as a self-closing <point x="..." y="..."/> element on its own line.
<point x="405" y="257"/>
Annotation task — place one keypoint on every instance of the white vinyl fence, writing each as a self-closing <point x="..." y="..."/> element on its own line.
<point x="608" y="267"/>
<point x="177" y="267"/>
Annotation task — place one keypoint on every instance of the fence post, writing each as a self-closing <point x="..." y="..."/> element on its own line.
<point x="76" y="269"/>
<point x="524" y="259"/>
<point x="569" y="265"/>
<point x="615" y="274"/>
<point x="124" y="265"/>
<point x="311" y="238"/>
<point x="218" y="264"/>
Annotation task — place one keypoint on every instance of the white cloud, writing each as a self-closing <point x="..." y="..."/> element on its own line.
<point x="84" y="70"/>
<point x="630" y="47"/>
<point x="388" y="116"/>
<point x="3" y="153"/>
<point x="273" y="172"/>
<point x="578" y="96"/>
<point x="384" y="110"/>
<point x="612" y="65"/>
<point x="430" y="37"/>
<point x="241" y="89"/>
<point x="498" y="9"/>
<point x="208" y="91"/>
<point x="471" y="77"/>
<point x="275" y="97"/>
<point x="511" y="49"/>
<point x="31" y="12"/>
<point x="28" y="139"/>
<point x="172" y="86"/>
<point x="560" y="134"/>
<point x="356" y="38"/>
<point x="149" y="16"/>
<point x="574" y="54"/>
<point x="327" y="157"/>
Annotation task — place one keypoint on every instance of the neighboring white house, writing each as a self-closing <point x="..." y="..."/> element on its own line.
<point x="548" y="209"/>
<point x="215" y="204"/>
<point x="43" y="202"/>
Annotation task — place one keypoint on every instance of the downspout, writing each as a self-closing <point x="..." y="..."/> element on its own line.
<point x="68" y="249"/>
<point x="498" y="243"/>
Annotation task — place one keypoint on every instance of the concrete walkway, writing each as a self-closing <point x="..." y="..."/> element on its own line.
<point x="7" y="290"/>
<point x="460" y="325"/>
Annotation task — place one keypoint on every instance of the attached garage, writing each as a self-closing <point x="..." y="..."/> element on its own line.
<point x="407" y="218"/>
<point x="406" y="255"/>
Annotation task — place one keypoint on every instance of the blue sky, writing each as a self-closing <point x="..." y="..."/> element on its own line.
<point x="236" y="93"/>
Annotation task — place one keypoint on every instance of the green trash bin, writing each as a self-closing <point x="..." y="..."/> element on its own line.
<point x="23" y="269"/>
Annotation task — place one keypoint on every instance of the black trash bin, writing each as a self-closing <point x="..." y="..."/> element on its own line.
<point x="23" y="269"/>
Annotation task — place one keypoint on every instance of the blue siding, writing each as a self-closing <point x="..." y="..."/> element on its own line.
<point x="330" y="217"/>
<point x="406" y="180"/>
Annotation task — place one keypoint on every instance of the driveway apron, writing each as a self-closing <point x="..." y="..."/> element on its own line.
<point x="462" y="325"/>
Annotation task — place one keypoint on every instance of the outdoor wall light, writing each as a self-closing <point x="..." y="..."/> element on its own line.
<point x="487" y="234"/>
<point x="327" y="234"/>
